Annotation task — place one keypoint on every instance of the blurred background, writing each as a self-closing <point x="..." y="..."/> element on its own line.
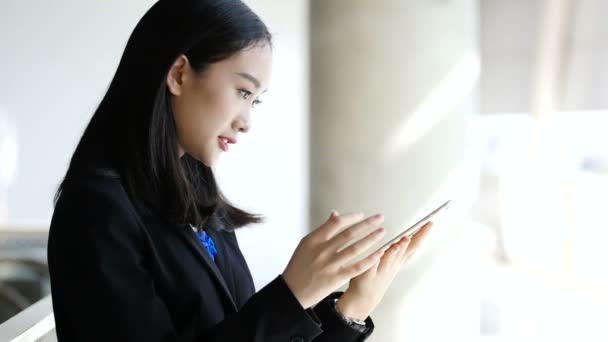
<point x="390" y="106"/>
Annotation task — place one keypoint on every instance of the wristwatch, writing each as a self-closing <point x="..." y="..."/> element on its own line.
<point x="354" y="323"/>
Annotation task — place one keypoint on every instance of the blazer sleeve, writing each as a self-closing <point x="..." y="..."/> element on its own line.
<point x="101" y="290"/>
<point x="334" y="328"/>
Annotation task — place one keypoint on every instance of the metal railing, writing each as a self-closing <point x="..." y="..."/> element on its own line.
<point x="35" y="323"/>
<point x="26" y="312"/>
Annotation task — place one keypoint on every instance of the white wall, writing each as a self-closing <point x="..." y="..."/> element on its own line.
<point x="56" y="61"/>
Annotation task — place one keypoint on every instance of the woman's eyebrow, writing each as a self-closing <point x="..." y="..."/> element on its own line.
<point x="252" y="79"/>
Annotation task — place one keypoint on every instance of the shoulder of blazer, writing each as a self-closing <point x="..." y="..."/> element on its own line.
<point x="105" y="185"/>
<point x="100" y="196"/>
<point x="95" y="186"/>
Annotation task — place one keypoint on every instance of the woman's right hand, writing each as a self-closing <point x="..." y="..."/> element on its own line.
<point x="319" y="265"/>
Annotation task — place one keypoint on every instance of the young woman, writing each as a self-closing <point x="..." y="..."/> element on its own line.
<point x="142" y="244"/>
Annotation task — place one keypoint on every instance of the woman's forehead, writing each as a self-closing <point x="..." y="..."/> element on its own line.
<point x="253" y="62"/>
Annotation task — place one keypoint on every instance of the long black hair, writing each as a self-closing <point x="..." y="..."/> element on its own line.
<point x="132" y="134"/>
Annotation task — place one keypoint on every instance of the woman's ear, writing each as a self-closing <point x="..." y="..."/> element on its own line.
<point x="175" y="77"/>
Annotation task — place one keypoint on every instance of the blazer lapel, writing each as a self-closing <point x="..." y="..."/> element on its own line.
<point x="198" y="249"/>
<point x="223" y="264"/>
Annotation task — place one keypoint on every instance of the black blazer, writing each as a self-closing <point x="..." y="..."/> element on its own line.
<point x="119" y="274"/>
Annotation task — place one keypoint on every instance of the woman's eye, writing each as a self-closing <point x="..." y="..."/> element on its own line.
<point x="245" y="94"/>
<point x="256" y="102"/>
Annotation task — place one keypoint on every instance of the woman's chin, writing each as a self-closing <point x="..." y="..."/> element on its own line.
<point x="207" y="160"/>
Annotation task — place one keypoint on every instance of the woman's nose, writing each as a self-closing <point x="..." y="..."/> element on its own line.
<point x="241" y="124"/>
<point x="244" y="128"/>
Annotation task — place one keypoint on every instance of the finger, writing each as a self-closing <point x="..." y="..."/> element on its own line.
<point x="355" y="231"/>
<point x="389" y="258"/>
<point x="374" y="268"/>
<point x="421" y="235"/>
<point x="337" y="223"/>
<point x="404" y="246"/>
<point x="417" y="239"/>
<point x="371" y="272"/>
<point x="357" y="248"/>
<point x="361" y="266"/>
<point x="404" y="255"/>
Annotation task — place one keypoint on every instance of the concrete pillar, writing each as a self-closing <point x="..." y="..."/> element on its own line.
<point x="393" y="85"/>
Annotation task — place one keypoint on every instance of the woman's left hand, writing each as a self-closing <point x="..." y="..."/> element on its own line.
<point x="366" y="291"/>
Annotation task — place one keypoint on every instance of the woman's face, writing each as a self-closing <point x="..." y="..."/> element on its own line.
<point x="212" y="108"/>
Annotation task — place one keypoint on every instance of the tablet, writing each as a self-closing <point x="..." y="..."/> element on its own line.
<point x="411" y="231"/>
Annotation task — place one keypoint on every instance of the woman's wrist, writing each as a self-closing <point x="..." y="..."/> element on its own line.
<point x="348" y="320"/>
<point x="350" y="309"/>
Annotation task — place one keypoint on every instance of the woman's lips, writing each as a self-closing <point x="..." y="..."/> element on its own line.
<point x="224" y="141"/>
<point x="223" y="144"/>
